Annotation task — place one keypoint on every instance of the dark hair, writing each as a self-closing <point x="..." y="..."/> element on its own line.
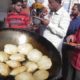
<point x="78" y="6"/>
<point x="58" y="1"/>
<point x="15" y="1"/>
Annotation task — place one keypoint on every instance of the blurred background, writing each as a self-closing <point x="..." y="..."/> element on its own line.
<point x="5" y="4"/>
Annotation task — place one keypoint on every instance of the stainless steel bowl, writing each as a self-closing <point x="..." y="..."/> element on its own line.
<point x="17" y="36"/>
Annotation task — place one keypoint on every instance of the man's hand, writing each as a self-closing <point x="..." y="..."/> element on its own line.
<point x="70" y="38"/>
<point x="45" y="21"/>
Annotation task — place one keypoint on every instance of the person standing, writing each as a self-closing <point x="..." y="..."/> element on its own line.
<point x="75" y="22"/>
<point x="17" y="18"/>
<point x="57" y="24"/>
<point x="74" y="57"/>
<point x="25" y="7"/>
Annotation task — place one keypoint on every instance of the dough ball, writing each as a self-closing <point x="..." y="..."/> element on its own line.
<point x="18" y="70"/>
<point x="24" y="76"/>
<point x="41" y="75"/>
<point x="10" y="49"/>
<point x="35" y="55"/>
<point x="3" y="56"/>
<point x="25" y="48"/>
<point x="45" y="63"/>
<point x="4" y="69"/>
<point x="31" y="66"/>
<point x="17" y="57"/>
<point x="13" y="64"/>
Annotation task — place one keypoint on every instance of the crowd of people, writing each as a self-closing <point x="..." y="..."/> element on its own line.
<point x="49" y="19"/>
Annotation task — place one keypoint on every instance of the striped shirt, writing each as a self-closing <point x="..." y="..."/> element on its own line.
<point x="17" y="20"/>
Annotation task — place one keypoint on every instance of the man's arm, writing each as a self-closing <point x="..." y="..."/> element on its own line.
<point x="70" y="38"/>
<point x="61" y="28"/>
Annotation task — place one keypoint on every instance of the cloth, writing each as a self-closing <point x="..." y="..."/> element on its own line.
<point x="75" y="58"/>
<point x="17" y="20"/>
<point x="44" y="3"/>
<point x="57" y="27"/>
<point x="74" y="25"/>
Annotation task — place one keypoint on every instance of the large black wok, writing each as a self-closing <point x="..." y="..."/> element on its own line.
<point x="13" y="36"/>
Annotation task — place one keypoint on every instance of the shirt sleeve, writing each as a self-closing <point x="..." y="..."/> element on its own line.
<point x="60" y="28"/>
